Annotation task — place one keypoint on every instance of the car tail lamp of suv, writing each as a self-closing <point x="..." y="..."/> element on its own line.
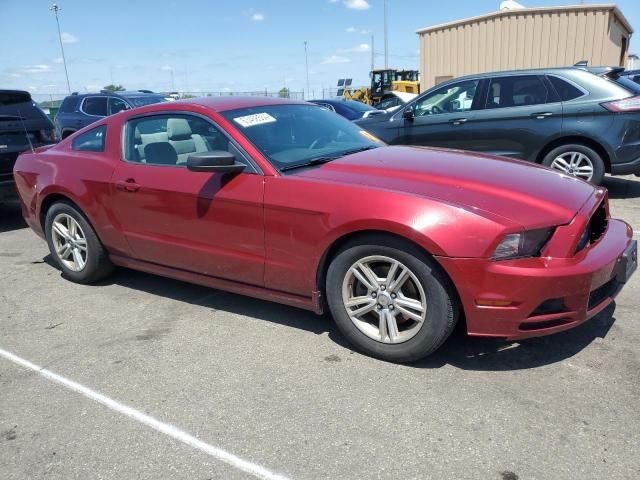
<point x="631" y="104"/>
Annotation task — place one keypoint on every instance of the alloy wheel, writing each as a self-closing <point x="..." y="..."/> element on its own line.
<point x="384" y="299"/>
<point x="576" y="164"/>
<point x="69" y="242"/>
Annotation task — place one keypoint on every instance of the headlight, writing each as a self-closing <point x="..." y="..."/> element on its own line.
<point x="524" y="244"/>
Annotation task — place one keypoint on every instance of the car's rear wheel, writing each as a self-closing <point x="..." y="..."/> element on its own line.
<point x="578" y="161"/>
<point x="390" y="299"/>
<point x="74" y="244"/>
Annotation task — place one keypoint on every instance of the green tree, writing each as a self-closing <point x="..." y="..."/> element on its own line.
<point x="114" y="88"/>
<point x="284" y="92"/>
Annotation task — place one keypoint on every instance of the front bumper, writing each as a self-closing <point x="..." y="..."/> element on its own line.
<point x="537" y="296"/>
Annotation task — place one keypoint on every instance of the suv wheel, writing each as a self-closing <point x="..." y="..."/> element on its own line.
<point x="576" y="160"/>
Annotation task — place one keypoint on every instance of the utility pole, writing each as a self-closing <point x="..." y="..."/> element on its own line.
<point x="386" y="38"/>
<point x="56" y="9"/>
<point x="373" y="54"/>
<point x="306" y="62"/>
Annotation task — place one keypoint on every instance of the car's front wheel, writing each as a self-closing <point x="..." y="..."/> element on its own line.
<point x="578" y="161"/>
<point x="74" y="244"/>
<point x="390" y="299"/>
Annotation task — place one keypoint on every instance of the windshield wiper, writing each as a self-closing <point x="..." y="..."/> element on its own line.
<point x="326" y="158"/>
<point x="310" y="163"/>
<point x="357" y="150"/>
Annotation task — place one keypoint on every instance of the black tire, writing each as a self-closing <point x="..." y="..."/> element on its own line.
<point x="592" y="155"/>
<point x="98" y="265"/>
<point x="66" y="133"/>
<point x="442" y="305"/>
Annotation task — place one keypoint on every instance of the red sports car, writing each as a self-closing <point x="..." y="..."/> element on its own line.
<point x="289" y="202"/>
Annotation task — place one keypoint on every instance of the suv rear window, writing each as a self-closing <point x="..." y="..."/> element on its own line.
<point x="10" y="98"/>
<point x="95" y="106"/>
<point x="565" y="90"/>
<point x="70" y="104"/>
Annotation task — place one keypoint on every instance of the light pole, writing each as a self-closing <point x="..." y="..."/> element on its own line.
<point x="306" y="62"/>
<point x="386" y="38"/>
<point x="55" y="9"/>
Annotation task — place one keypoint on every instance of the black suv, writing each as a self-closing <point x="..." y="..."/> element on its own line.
<point x="23" y="126"/>
<point x="581" y="121"/>
<point x="79" y="110"/>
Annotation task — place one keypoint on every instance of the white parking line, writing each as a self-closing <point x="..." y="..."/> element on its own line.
<point x="173" y="432"/>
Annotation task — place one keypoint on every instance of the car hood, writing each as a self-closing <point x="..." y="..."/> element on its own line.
<point x="524" y="193"/>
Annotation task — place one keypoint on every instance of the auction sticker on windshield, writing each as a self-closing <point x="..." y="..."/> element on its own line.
<point x="255" y="119"/>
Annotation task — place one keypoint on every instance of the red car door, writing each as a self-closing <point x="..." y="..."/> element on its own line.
<point x="209" y="223"/>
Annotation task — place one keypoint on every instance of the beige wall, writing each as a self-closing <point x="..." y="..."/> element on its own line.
<point x="521" y="40"/>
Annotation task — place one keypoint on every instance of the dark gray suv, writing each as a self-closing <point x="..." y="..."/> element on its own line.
<point x="581" y="121"/>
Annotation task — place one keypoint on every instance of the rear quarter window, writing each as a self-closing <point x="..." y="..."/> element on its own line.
<point x="91" y="141"/>
<point x="565" y="90"/>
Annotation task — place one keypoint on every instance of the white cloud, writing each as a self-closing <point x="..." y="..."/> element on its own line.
<point x="357" y="4"/>
<point x="166" y="68"/>
<point x="57" y="60"/>
<point x="41" y="68"/>
<point x="362" y="48"/>
<point x="335" y="59"/>
<point x="257" y="17"/>
<point x="357" y="30"/>
<point x="68" y="38"/>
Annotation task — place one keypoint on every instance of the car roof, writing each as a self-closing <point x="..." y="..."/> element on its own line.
<point x="221" y="104"/>
<point x="535" y="71"/>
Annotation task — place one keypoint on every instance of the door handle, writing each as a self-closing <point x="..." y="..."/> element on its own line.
<point x="541" y="115"/>
<point x="458" y="121"/>
<point x="129" y="185"/>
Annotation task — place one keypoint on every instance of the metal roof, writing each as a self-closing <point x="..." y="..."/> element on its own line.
<point x="534" y="10"/>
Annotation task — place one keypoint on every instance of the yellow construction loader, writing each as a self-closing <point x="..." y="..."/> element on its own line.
<point x="382" y="81"/>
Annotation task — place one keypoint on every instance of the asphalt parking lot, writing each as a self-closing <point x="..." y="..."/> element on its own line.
<point x="280" y="389"/>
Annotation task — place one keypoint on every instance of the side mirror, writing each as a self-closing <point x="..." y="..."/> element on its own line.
<point x="219" y="161"/>
<point x="409" y="113"/>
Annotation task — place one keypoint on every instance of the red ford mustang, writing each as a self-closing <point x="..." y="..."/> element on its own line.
<point x="289" y="202"/>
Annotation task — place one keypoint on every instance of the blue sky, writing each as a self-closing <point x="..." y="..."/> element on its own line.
<point x="215" y="45"/>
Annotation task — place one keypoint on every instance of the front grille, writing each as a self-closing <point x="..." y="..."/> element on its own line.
<point x="549" y="307"/>
<point x="598" y="223"/>
<point x="602" y="293"/>
<point x="595" y="228"/>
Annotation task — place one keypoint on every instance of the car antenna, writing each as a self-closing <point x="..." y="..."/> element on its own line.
<point x="26" y="133"/>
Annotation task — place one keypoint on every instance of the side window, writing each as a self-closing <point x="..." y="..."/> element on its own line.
<point x="117" y="105"/>
<point x="91" y="141"/>
<point x="169" y="139"/>
<point x="450" y="99"/>
<point x="565" y="90"/>
<point x="95" y="106"/>
<point x="516" y="91"/>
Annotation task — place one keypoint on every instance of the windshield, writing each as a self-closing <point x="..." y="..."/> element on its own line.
<point x="629" y="84"/>
<point x="359" y="106"/>
<point x="146" y="100"/>
<point x="292" y="135"/>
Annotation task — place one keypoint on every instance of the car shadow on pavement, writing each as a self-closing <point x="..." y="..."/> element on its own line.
<point x="484" y="354"/>
<point x="622" y="187"/>
<point x="460" y="350"/>
<point x="11" y="216"/>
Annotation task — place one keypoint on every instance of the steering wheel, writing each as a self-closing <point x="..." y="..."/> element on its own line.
<point x="436" y="109"/>
<point x="319" y="142"/>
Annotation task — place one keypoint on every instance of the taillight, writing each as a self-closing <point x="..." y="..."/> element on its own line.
<point x="631" y="104"/>
<point x="49" y="135"/>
